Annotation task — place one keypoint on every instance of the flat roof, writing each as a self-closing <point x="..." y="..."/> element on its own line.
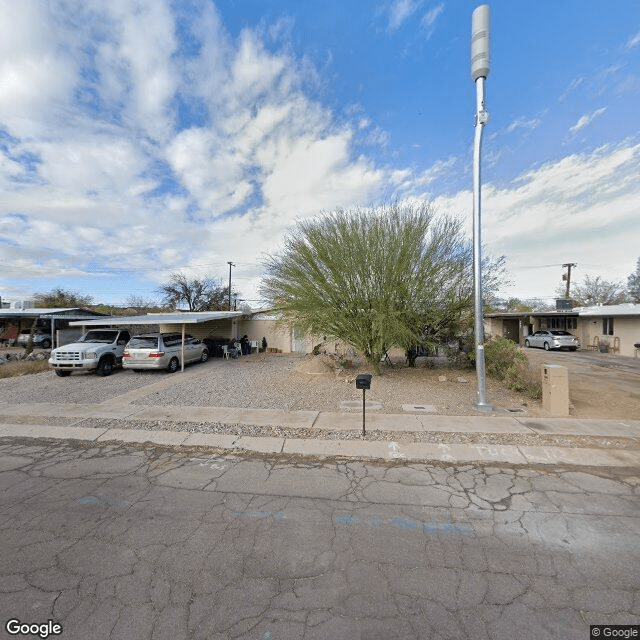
<point x="186" y="317"/>
<point x="43" y="312"/>
<point x="625" y="309"/>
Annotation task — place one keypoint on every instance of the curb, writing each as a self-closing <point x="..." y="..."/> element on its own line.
<point x="379" y="450"/>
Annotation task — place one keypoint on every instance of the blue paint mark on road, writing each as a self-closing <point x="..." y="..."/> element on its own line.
<point x="401" y="523"/>
<point x="431" y="528"/>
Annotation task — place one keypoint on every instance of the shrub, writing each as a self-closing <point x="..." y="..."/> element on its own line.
<point x="505" y="361"/>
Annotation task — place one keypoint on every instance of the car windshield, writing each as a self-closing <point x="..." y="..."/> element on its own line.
<point x="560" y="333"/>
<point x="143" y="342"/>
<point x="99" y="336"/>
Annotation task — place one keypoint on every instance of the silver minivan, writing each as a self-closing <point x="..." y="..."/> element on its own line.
<point x="162" y="351"/>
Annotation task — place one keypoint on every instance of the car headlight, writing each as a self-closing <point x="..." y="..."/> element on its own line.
<point x="90" y="355"/>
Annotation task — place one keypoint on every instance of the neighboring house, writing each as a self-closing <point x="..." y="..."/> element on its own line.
<point x="617" y="326"/>
<point x="54" y="322"/>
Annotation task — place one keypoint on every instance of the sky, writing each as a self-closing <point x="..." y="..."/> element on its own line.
<point x="140" y="138"/>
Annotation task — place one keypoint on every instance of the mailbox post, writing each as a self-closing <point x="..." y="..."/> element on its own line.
<point x="363" y="381"/>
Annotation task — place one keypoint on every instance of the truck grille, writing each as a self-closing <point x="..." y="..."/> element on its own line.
<point x="68" y="355"/>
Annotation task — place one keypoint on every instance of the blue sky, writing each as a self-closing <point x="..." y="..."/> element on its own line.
<point x="144" y="137"/>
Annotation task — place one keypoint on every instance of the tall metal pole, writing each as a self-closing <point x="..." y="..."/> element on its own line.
<point x="479" y="73"/>
<point x="230" y="265"/>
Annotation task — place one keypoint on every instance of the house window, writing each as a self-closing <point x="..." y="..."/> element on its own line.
<point x="607" y="326"/>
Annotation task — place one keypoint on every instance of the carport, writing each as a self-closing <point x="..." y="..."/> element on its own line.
<point x="164" y="321"/>
<point x="64" y="316"/>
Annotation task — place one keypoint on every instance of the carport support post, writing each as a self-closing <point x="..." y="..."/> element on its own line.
<point x="182" y="358"/>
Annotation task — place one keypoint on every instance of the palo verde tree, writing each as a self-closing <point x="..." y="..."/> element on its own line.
<point x="198" y="294"/>
<point x="395" y="276"/>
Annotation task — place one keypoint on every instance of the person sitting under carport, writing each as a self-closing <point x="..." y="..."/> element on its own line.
<point x="233" y="348"/>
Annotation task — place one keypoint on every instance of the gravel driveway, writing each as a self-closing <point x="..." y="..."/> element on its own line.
<point x="263" y="382"/>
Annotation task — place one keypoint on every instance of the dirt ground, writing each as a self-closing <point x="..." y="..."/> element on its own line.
<point x="600" y="385"/>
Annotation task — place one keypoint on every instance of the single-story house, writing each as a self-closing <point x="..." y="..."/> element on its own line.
<point x="55" y="322"/>
<point x="225" y="325"/>
<point x="202" y="324"/>
<point x="617" y="326"/>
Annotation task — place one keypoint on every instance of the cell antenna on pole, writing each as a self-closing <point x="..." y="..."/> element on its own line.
<point x="480" y="42"/>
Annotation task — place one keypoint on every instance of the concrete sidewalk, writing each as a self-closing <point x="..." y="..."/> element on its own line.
<point x="68" y="416"/>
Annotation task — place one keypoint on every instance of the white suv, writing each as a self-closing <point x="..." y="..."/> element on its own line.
<point x="99" y="350"/>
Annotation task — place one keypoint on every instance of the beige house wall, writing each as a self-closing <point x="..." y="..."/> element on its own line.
<point x="626" y="333"/>
<point x="200" y="330"/>
<point x="288" y="340"/>
<point x="258" y="328"/>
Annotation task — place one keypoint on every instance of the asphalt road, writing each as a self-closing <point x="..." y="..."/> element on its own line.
<point x="143" y="543"/>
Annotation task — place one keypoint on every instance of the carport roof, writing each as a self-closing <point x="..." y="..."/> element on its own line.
<point x="43" y="312"/>
<point x="186" y="317"/>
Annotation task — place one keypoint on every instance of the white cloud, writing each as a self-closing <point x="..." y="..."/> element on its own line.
<point x="586" y="119"/>
<point x="400" y="11"/>
<point x="632" y="42"/>
<point x="528" y="124"/>
<point x="36" y="70"/>
<point x="581" y="208"/>
<point x="429" y="19"/>
<point x="114" y="184"/>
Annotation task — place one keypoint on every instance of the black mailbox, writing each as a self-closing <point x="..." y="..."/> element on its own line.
<point x="363" y="381"/>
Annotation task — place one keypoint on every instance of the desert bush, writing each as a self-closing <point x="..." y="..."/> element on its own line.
<point x="505" y="361"/>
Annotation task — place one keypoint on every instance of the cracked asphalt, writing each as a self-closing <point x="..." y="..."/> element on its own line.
<point x="144" y="542"/>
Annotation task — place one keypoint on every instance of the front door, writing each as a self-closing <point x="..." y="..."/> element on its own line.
<point x="299" y="341"/>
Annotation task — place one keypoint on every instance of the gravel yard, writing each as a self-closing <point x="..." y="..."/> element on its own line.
<point x="600" y="386"/>
<point x="290" y="382"/>
<point x="267" y="382"/>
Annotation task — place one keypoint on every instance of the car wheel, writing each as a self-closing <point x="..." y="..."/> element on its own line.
<point x="546" y="346"/>
<point x="205" y="355"/>
<point x="105" y="367"/>
<point x="62" y="373"/>
<point x="527" y="344"/>
<point x="173" y="365"/>
<point x="46" y="344"/>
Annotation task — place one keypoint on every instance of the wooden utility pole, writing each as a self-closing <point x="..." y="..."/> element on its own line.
<point x="567" y="276"/>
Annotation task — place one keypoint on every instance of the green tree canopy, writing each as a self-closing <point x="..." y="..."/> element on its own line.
<point x="395" y="276"/>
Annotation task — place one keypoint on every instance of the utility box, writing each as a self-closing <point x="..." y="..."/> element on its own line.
<point x="555" y="389"/>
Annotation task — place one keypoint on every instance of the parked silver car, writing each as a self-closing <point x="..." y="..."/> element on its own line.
<point x="553" y="339"/>
<point x="39" y="339"/>
<point x="162" y="351"/>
